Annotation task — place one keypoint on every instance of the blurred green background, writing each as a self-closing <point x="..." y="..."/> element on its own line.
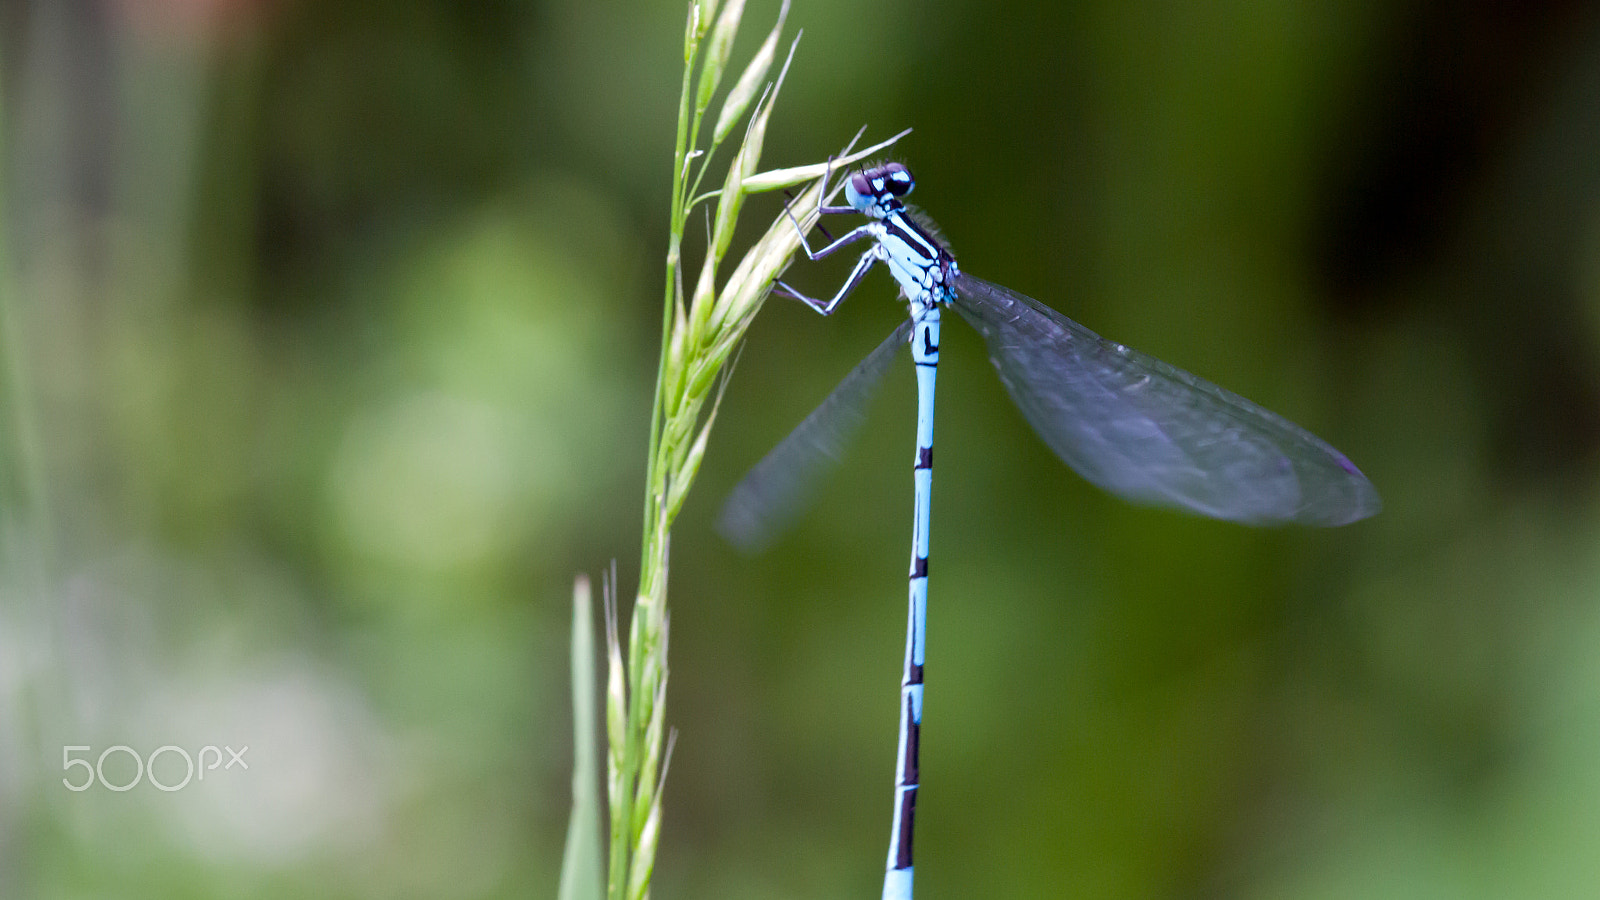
<point x="329" y="334"/>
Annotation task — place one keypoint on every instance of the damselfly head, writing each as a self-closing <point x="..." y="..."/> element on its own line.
<point x="896" y="179"/>
<point x="869" y="187"/>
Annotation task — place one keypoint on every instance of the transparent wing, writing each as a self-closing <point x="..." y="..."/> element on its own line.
<point x="769" y="497"/>
<point x="1153" y="433"/>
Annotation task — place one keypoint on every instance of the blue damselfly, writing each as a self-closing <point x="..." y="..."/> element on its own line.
<point x="1128" y="422"/>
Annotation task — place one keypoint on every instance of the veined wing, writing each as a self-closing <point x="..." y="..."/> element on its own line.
<point x="768" y="498"/>
<point x="1153" y="433"/>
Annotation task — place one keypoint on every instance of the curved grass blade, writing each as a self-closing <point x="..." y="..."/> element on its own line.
<point x="1155" y="434"/>
<point x="766" y="501"/>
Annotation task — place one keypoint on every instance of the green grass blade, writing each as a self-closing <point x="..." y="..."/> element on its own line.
<point x="582" y="869"/>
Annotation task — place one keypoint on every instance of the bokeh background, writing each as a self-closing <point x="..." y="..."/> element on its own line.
<point x="329" y="333"/>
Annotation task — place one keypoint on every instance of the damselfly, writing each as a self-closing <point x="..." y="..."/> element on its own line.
<point x="1143" y="430"/>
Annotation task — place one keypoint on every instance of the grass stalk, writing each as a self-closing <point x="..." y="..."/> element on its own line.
<point x="699" y="334"/>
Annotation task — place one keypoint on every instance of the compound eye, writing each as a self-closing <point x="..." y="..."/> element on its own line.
<point x="860" y="184"/>
<point x="898" y="179"/>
